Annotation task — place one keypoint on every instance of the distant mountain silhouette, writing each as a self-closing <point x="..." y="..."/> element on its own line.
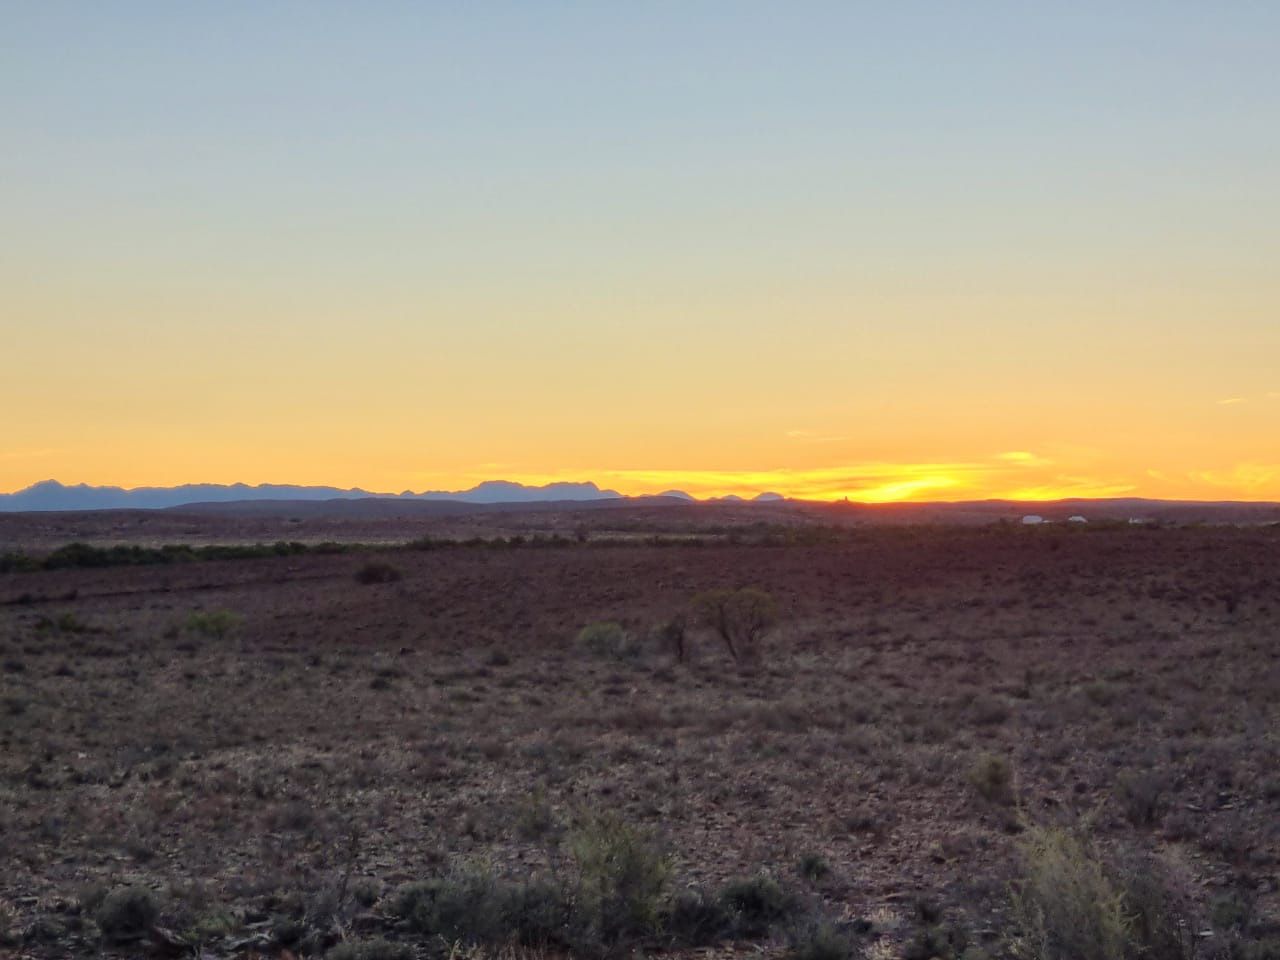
<point x="52" y="495"/>
<point x="678" y="495"/>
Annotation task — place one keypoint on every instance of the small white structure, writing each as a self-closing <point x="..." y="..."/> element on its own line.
<point x="1077" y="519"/>
<point x="1031" y="520"/>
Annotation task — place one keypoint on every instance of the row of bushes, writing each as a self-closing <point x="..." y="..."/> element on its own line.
<point x="84" y="555"/>
<point x="1070" y="901"/>
<point x="619" y="893"/>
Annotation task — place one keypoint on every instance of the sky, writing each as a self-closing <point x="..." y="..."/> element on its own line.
<point x="923" y="251"/>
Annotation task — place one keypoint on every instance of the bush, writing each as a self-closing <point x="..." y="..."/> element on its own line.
<point x="608" y="639"/>
<point x="377" y="572"/>
<point x="740" y="618"/>
<point x="694" y="919"/>
<point x="813" y="867"/>
<point x="819" y="940"/>
<point x="378" y="949"/>
<point x="1072" y="905"/>
<point x="992" y="777"/>
<point x="215" y="624"/>
<point x="465" y="907"/>
<point x="623" y="879"/>
<point x="757" y="904"/>
<point x="126" y="914"/>
<point x="474" y="907"/>
<point x="1141" y="796"/>
<point x="8" y="926"/>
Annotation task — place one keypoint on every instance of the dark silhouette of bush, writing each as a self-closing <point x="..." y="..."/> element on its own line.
<point x="376" y="571"/>
<point x="740" y="618"/>
<point x="757" y="904"/>
<point x="126" y="914"/>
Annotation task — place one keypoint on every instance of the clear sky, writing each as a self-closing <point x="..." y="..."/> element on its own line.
<point x="883" y="250"/>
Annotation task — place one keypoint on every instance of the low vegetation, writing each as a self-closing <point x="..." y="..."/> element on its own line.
<point x="938" y="744"/>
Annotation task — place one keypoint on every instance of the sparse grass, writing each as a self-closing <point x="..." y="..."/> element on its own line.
<point x="241" y="760"/>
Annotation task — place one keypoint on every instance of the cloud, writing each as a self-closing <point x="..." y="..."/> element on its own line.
<point x="1231" y="401"/>
<point x="1014" y="474"/>
<point x="1247" y="477"/>
<point x="1024" y="458"/>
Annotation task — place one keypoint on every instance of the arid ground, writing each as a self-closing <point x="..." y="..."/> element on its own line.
<point x="271" y="748"/>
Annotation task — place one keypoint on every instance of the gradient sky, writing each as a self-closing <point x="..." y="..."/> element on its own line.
<point x="910" y="250"/>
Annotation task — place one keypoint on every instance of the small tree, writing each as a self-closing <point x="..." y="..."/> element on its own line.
<point x="739" y="617"/>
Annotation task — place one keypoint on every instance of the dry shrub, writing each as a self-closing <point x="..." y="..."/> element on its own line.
<point x="1067" y="907"/>
<point x="740" y="618"/>
<point x="1071" y="904"/>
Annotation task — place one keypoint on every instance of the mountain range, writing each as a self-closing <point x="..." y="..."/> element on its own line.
<point x="52" y="495"/>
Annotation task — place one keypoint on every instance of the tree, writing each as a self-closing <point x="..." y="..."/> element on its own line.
<point x="739" y="617"/>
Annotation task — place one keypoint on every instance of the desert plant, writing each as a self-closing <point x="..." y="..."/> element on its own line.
<point x="757" y="904"/>
<point x="694" y="919"/>
<point x="1141" y="796"/>
<point x="474" y="907"/>
<point x="813" y="867"/>
<point x="464" y="907"/>
<point x="819" y="940"/>
<point x="215" y="624"/>
<point x="607" y="639"/>
<point x="740" y="618"/>
<point x="992" y="777"/>
<point x="623" y="878"/>
<point x="671" y="637"/>
<point x="534" y="817"/>
<point x="8" y="926"/>
<point x="377" y="949"/>
<point x="126" y="914"/>
<point x="377" y="571"/>
<point x="1066" y="907"/>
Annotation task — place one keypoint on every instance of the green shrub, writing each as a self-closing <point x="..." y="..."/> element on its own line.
<point x="819" y="940"/>
<point x="126" y="913"/>
<point x="694" y="919"/>
<point x="1066" y="905"/>
<point x="992" y="777"/>
<point x="536" y="913"/>
<point x="623" y="879"/>
<point x="215" y="624"/>
<point x="534" y="818"/>
<point x="757" y="904"/>
<point x="608" y="639"/>
<point x="465" y="907"/>
<point x="813" y="867"/>
<point x="474" y="907"/>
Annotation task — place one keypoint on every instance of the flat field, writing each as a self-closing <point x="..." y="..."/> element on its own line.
<point x="272" y="749"/>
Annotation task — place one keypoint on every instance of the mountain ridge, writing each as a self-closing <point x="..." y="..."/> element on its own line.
<point x="52" y="495"/>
